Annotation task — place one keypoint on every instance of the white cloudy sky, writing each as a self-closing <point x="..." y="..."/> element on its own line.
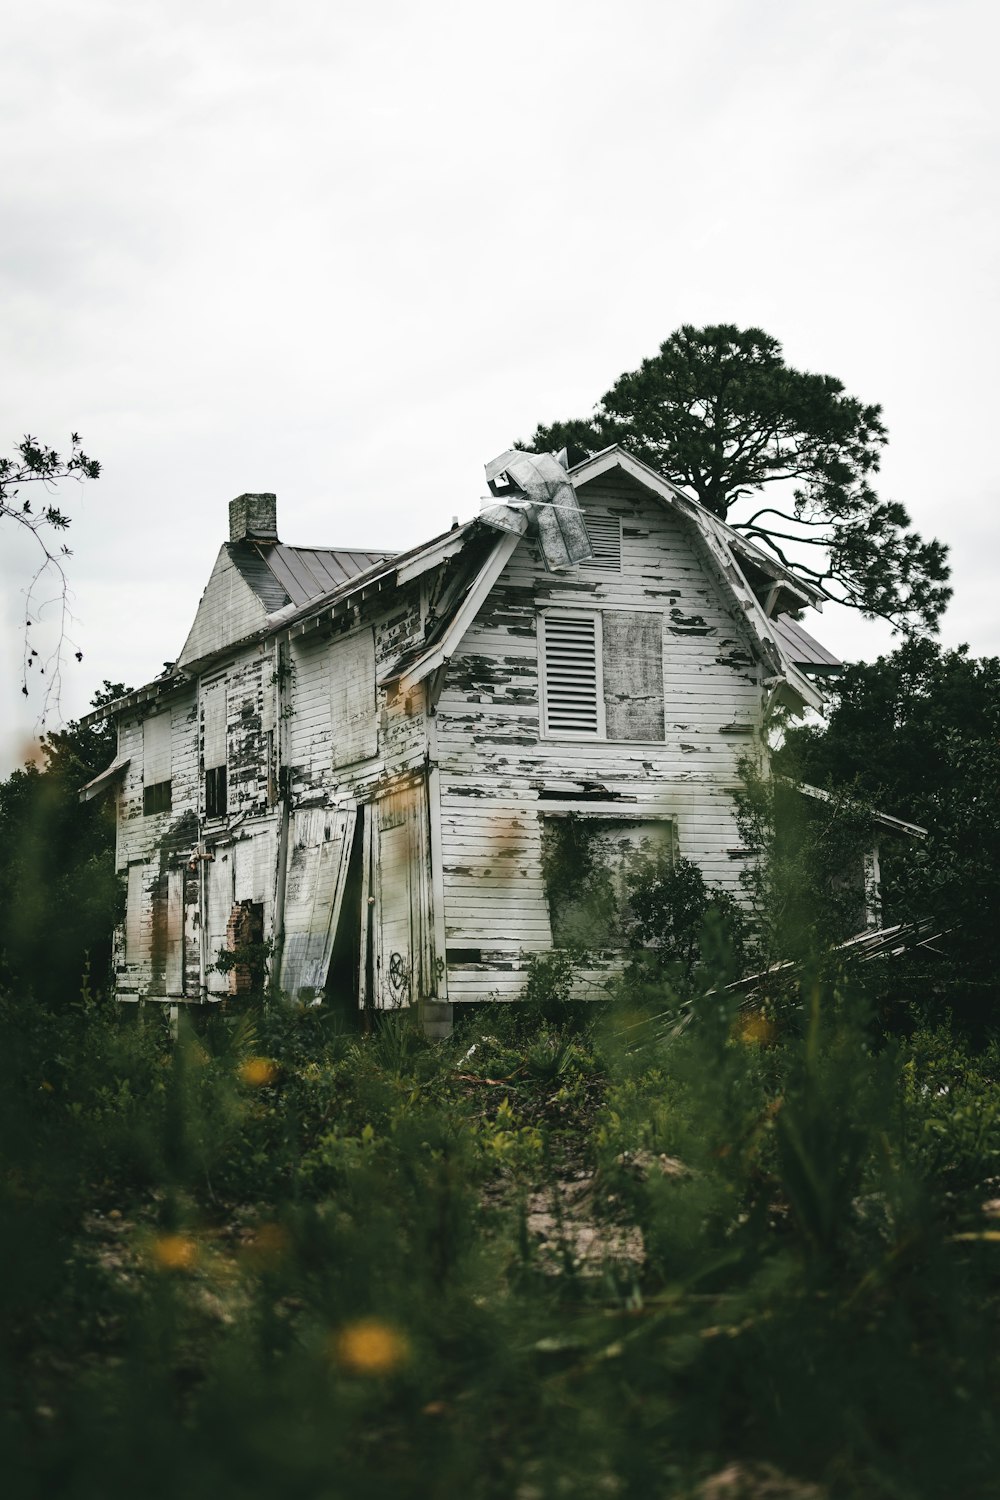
<point x="350" y="251"/>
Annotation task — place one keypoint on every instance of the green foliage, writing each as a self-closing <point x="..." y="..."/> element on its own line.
<point x="251" y="957"/>
<point x="804" y="879"/>
<point x="676" y="923"/>
<point x="718" y="411"/>
<point x="918" y="733"/>
<point x="269" y="1256"/>
<point x="59" y="895"/>
<point x="549" y="985"/>
<point x="579" y="881"/>
<point x="36" y="464"/>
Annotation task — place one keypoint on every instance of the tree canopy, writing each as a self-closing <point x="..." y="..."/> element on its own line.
<point x="58" y="891"/>
<point x="720" y="413"/>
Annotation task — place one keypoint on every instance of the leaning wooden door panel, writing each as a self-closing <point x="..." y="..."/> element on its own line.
<point x="219" y="895"/>
<point x="402" y="874"/>
<point x="319" y="856"/>
<point x="174" y="966"/>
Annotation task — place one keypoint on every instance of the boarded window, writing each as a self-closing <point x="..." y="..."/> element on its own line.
<point x="633" y="675"/>
<point x="213" y="724"/>
<point x="156" y="750"/>
<point x="602" y="675"/>
<point x="354" y="719"/>
<point x="175" y="933"/>
<point x="572" y="698"/>
<point x="137" y="922"/>
<point x="605" y="534"/>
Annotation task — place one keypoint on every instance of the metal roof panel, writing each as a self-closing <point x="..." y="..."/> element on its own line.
<point x="805" y="651"/>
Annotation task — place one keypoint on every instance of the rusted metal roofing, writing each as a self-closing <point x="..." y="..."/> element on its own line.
<point x="280" y="575"/>
<point x="804" y="650"/>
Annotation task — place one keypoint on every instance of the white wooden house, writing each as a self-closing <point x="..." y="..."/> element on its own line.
<point x="356" y="756"/>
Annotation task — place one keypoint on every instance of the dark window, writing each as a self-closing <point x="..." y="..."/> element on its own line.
<point x="215" y="792"/>
<point x="156" y="798"/>
<point x="588" y="865"/>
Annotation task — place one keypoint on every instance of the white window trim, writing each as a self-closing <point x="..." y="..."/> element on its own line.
<point x="584" y="735"/>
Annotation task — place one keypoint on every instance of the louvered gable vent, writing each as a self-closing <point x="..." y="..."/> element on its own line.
<point x="605" y="534"/>
<point x="573" y="693"/>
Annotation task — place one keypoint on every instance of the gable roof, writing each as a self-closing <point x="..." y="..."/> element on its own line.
<point x="616" y="457"/>
<point x="294" y="587"/>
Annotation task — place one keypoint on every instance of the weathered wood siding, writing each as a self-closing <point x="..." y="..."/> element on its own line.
<point x="152" y="849"/>
<point x="315" y="750"/>
<point x="229" y="611"/>
<point x="495" y="765"/>
<point x="172" y="909"/>
<point x="339" y="756"/>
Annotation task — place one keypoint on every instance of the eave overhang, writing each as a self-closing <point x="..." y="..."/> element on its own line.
<point x="104" y="781"/>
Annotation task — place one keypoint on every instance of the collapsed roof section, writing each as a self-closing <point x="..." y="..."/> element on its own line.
<point x="543" y="496"/>
<point x="537" y="495"/>
<point x="271" y="587"/>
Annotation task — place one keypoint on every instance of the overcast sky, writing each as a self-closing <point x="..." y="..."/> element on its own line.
<point x="349" y="252"/>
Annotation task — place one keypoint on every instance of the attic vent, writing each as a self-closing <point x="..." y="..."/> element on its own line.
<point x="573" y="695"/>
<point x="605" y="534"/>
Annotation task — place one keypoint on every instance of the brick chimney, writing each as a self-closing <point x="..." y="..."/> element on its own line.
<point x="253" y="518"/>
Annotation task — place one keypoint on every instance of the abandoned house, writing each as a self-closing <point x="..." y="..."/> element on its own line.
<point x="349" y="774"/>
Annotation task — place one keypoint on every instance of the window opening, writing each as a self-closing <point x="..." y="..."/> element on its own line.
<point x="353" y="711"/>
<point x="156" y="798"/>
<point x="215" y="792"/>
<point x="587" y="864"/>
<point x="215" y="749"/>
<point x="601" y="675"/>
<point x="156" y="764"/>
<point x="245" y="955"/>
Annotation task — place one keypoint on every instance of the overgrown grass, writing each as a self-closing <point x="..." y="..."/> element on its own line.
<point x="585" y="1256"/>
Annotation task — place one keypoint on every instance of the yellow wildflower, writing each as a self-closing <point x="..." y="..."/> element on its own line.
<point x="257" y="1071"/>
<point x="370" y="1347"/>
<point x="174" y="1252"/>
<point x="754" y="1029"/>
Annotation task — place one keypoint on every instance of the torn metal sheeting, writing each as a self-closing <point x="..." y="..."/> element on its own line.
<point x="539" y="483"/>
<point x="100" y="783"/>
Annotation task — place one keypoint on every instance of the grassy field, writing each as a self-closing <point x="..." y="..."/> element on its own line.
<point x="651" y="1250"/>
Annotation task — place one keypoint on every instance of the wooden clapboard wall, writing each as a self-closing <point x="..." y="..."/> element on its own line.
<point x="681" y="698"/>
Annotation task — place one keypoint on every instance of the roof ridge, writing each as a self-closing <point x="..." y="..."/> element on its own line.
<point x="372" y="551"/>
